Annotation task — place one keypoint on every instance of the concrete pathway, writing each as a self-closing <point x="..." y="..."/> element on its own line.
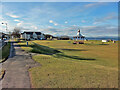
<point x="16" y="67"/>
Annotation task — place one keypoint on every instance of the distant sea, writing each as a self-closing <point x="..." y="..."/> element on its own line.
<point x="102" y="38"/>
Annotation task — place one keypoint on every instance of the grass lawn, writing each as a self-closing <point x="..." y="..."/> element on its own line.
<point x="66" y="65"/>
<point x="4" y="53"/>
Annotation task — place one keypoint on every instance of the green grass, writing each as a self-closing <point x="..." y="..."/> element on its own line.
<point x="88" y="65"/>
<point x="36" y="48"/>
<point x="4" y="53"/>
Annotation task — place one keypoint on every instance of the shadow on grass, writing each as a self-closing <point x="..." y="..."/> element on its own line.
<point x="36" y="48"/>
<point x="103" y="44"/>
<point x="73" y="57"/>
<point x="22" y="46"/>
<point x="43" y="49"/>
<point x="40" y="49"/>
<point x="74" y="49"/>
<point x="95" y="44"/>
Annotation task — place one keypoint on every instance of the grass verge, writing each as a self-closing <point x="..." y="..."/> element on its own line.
<point x="66" y="73"/>
<point x="90" y="65"/>
<point x="4" y="52"/>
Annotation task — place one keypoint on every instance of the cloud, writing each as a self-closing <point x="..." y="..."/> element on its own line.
<point x="24" y="24"/>
<point x="96" y="23"/>
<point x="34" y="27"/>
<point x="66" y="22"/>
<point x="17" y="20"/>
<point x="110" y="16"/>
<point x="103" y="30"/>
<point x="93" y="31"/>
<point x="50" y="27"/>
<point x="19" y="24"/>
<point x="94" y="4"/>
<point x="50" y="21"/>
<point x="106" y="18"/>
<point x="108" y="1"/>
<point x="55" y="24"/>
<point x="45" y="14"/>
<point x="27" y="26"/>
<point x="1" y="17"/>
<point x="83" y="21"/>
<point x="74" y="25"/>
<point x="12" y="15"/>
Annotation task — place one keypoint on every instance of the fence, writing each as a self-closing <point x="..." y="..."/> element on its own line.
<point x="3" y="43"/>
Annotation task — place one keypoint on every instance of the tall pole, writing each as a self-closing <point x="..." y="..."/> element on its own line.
<point x="6" y="26"/>
<point x="25" y="36"/>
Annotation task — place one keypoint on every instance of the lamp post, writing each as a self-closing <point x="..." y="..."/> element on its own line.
<point x="6" y="26"/>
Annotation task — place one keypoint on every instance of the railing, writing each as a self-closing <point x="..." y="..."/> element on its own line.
<point x="3" y="43"/>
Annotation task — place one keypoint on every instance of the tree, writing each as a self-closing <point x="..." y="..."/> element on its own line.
<point x="16" y="32"/>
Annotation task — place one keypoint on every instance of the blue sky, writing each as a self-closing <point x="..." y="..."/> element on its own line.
<point x="62" y="18"/>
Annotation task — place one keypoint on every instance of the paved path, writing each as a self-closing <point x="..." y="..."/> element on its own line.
<point x="16" y="67"/>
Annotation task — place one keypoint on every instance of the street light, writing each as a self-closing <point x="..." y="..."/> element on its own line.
<point x="6" y="26"/>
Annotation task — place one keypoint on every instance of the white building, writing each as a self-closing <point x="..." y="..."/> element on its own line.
<point x="32" y="35"/>
<point x="79" y="34"/>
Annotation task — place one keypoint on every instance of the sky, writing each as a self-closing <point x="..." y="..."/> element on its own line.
<point x="62" y="18"/>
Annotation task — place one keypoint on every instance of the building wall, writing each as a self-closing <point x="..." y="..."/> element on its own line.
<point x="35" y="36"/>
<point x="22" y="36"/>
<point x="28" y="36"/>
<point x="42" y="36"/>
